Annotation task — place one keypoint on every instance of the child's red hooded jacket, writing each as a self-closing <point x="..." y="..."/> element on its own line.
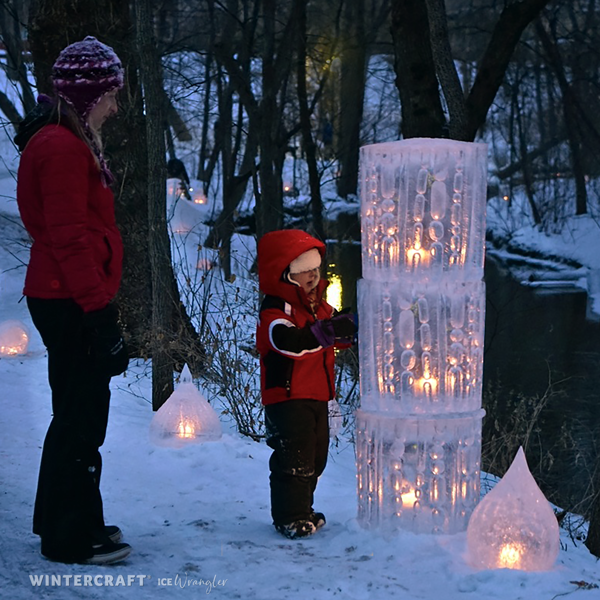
<point x="293" y="364"/>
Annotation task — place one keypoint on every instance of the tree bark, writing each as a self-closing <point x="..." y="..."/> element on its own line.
<point x="310" y="148"/>
<point x="158" y="240"/>
<point x="446" y="71"/>
<point x="265" y="114"/>
<point x="11" y="20"/>
<point x="423" y="57"/>
<point x="422" y="114"/>
<point x="513" y="20"/>
<point x="572" y="119"/>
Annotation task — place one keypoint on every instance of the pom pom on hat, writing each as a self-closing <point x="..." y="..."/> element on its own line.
<point x="309" y="260"/>
<point x="84" y="72"/>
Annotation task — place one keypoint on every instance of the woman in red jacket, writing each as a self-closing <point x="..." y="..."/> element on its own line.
<point x="73" y="275"/>
<point x="296" y="334"/>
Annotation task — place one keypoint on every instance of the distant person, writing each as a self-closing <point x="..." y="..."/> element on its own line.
<point x="74" y="272"/>
<point x="296" y="334"/>
<point x="176" y="170"/>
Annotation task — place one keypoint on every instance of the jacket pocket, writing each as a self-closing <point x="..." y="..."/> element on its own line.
<point x="278" y="371"/>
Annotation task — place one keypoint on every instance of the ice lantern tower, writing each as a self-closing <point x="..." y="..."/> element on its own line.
<point x="421" y="304"/>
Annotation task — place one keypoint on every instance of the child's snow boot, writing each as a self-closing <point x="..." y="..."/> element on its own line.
<point x="297" y="529"/>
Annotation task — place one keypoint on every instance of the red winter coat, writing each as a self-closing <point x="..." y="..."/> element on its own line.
<point x="293" y="364"/>
<point x="77" y="250"/>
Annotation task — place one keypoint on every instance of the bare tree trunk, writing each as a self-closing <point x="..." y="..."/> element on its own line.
<point x="310" y="147"/>
<point x="352" y="93"/>
<point x="228" y="145"/>
<point x="10" y="110"/>
<point x="446" y="71"/>
<point x="513" y="20"/>
<point x="265" y="114"/>
<point x="422" y="58"/>
<point x="525" y="164"/>
<point x="203" y="175"/>
<point x="593" y="538"/>
<point x="11" y="20"/>
<point x="572" y="120"/>
<point x="422" y="114"/>
<point x="269" y="210"/>
<point x="158" y="240"/>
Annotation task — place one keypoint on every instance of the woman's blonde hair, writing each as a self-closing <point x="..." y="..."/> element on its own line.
<point x="64" y="114"/>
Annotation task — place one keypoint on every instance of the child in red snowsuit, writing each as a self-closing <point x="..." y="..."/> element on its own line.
<point x="296" y="335"/>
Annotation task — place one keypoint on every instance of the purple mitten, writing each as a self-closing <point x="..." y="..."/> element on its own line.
<point x="345" y="327"/>
<point x="324" y="332"/>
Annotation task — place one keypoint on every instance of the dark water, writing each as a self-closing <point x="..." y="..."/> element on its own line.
<point x="542" y="355"/>
<point x="541" y="378"/>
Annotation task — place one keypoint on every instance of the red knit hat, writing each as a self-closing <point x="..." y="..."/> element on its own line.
<point x="84" y="72"/>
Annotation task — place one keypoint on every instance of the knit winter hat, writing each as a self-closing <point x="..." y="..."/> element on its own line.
<point x="84" y="72"/>
<point x="309" y="260"/>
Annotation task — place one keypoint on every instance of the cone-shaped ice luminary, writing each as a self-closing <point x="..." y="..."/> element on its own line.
<point x="186" y="417"/>
<point x="14" y="338"/>
<point x="514" y="526"/>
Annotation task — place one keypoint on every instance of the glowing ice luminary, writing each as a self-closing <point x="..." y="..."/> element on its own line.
<point x="186" y="417"/>
<point x="514" y="526"/>
<point x="14" y="338"/>
<point x="421" y="304"/>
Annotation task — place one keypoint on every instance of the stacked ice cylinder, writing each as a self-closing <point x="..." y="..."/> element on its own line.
<point x="421" y="305"/>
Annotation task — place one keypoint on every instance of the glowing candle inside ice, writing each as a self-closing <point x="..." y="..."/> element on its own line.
<point x="510" y="556"/>
<point x="186" y="429"/>
<point x="14" y="339"/>
<point x="514" y="526"/>
<point x="409" y="498"/>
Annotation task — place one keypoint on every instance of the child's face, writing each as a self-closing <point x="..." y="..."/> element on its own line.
<point x="308" y="280"/>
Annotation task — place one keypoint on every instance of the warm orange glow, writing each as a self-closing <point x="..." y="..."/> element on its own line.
<point x="334" y="291"/>
<point x="409" y="498"/>
<point x="200" y="198"/>
<point x="510" y="556"/>
<point x="9" y="350"/>
<point x="427" y="386"/>
<point x="204" y="264"/>
<point x="15" y="342"/>
<point x="186" y="429"/>
<point x="417" y="257"/>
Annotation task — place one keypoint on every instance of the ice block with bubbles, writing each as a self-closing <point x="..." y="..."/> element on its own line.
<point x="421" y="305"/>
<point x="423" y="208"/>
<point x="421" y="346"/>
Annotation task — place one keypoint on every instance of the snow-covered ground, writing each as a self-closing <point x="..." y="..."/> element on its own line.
<point x="198" y="517"/>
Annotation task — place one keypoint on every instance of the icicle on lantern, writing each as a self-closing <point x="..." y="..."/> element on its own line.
<point x="14" y="338"/>
<point x="514" y="526"/>
<point x="186" y="417"/>
<point x="421" y="304"/>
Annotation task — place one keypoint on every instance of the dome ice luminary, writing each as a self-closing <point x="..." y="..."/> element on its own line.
<point x="514" y="526"/>
<point x="14" y="338"/>
<point x="185" y="418"/>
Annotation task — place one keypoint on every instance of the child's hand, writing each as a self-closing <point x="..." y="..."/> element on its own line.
<point x="340" y="329"/>
<point x="345" y="327"/>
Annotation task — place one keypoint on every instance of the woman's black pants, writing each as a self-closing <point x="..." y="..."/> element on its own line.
<point x="68" y="513"/>
<point x="298" y="432"/>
